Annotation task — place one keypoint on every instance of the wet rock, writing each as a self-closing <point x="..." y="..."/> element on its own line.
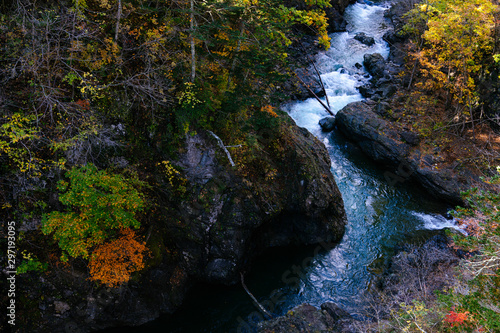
<point x="366" y="90"/>
<point x="239" y="224"/>
<point x="386" y="90"/>
<point x="219" y="270"/>
<point x="396" y="37"/>
<point x="306" y="318"/>
<point x="364" y="39"/>
<point x="335" y="311"/>
<point x="360" y="123"/>
<point x="375" y="65"/>
<point x="327" y="124"/>
<point x="391" y="37"/>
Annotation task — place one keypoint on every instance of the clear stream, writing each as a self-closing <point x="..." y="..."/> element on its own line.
<point x="380" y="216"/>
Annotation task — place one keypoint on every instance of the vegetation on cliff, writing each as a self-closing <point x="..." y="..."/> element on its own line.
<point x="97" y="97"/>
<point x="97" y="94"/>
<point x="450" y="67"/>
<point x="448" y="295"/>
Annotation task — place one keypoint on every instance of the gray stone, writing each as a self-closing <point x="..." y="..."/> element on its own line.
<point x="305" y="318"/>
<point x="360" y="123"/>
<point x="382" y="108"/>
<point x="61" y="307"/>
<point x="366" y="91"/>
<point x="220" y="270"/>
<point x="327" y="124"/>
<point x="375" y="65"/>
<point x="410" y="137"/>
<point x="364" y="39"/>
<point x="334" y="311"/>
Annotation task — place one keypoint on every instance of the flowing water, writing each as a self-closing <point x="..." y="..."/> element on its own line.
<point x="380" y="216"/>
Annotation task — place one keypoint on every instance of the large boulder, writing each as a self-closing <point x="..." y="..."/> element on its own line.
<point x="361" y="124"/>
<point x="289" y="198"/>
<point x="375" y="65"/>
<point x="327" y="124"/>
<point x="364" y="39"/>
<point x="281" y="193"/>
<point x="394" y="148"/>
<point x="305" y="318"/>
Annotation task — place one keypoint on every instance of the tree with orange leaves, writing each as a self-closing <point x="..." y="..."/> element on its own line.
<point x="113" y="262"/>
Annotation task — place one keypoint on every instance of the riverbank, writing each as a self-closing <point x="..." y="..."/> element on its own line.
<point x="410" y="131"/>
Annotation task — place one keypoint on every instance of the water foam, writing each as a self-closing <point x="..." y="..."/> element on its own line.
<point x="438" y="222"/>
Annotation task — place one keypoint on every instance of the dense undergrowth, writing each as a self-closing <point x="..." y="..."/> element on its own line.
<point x="97" y="98"/>
<point x="437" y="292"/>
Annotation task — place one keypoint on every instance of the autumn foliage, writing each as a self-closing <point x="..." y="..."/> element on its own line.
<point x="97" y="203"/>
<point x="452" y="40"/>
<point x="113" y="262"/>
<point x="456" y="318"/>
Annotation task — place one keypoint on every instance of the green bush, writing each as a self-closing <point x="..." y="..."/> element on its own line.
<point x="98" y="203"/>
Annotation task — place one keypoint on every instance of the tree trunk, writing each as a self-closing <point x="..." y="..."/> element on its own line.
<point x="193" y="51"/>
<point x="118" y="17"/>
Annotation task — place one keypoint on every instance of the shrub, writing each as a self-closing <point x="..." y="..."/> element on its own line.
<point x="112" y="263"/>
<point x="98" y="203"/>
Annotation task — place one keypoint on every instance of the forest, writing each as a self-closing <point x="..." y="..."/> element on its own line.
<point x="82" y="80"/>
<point x="98" y="98"/>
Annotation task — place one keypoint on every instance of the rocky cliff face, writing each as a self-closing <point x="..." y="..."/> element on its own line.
<point x="390" y="145"/>
<point x="292" y="200"/>
<point x="230" y="215"/>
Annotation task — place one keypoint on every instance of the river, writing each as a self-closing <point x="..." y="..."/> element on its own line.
<point x="380" y="214"/>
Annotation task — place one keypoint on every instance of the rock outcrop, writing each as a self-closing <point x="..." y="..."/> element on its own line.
<point x="293" y="201"/>
<point x="327" y="124"/>
<point x="305" y="318"/>
<point x="393" y="147"/>
<point x="364" y="39"/>
<point x="285" y="195"/>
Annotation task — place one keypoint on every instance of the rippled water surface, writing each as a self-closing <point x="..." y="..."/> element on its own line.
<point x="380" y="215"/>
